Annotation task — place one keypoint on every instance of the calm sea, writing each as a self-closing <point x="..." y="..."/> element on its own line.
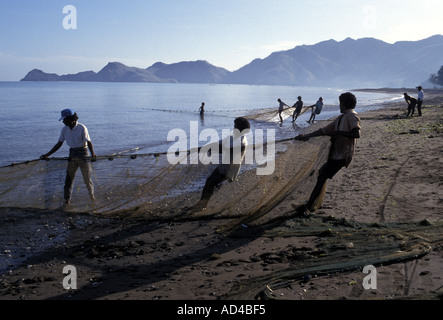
<point x="136" y="117"/>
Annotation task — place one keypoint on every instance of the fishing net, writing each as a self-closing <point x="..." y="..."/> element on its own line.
<point x="345" y="247"/>
<point x="263" y="114"/>
<point x="121" y="183"/>
<point x="271" y="114"/>
<point x="149" y="187"/>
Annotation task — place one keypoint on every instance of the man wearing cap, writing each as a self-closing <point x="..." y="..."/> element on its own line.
<point x="420" y="99"/>
<point x="77" y="137"/>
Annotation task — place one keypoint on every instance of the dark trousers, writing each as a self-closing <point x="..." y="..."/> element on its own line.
<point x="329" y="169"/>
<point x="212" y="181"/>
<point x="411" y="108"/>
<point x="419" y="107"/>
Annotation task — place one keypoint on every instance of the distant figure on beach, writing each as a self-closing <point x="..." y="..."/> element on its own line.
<point x="77" y="137"/>
<point x="298" y="106"/>
<point x="232" y="151"/>
<point x="411" y="101"/>
<point x="202" y="113"/>
<point x="420" y="98"/>
<point x="202" y="109"/>
<point x="318" y="106"/>
<point x="281" y="106"/>
<point x="343" y="132"/>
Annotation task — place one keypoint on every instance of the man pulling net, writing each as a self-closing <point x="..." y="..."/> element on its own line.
<point x="77" y="137"/>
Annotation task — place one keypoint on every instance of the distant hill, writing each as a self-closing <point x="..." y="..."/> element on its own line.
<point x="364" y="62"/>
<point x="112" y="72"/>
<point x="190" y="72"/>
<point x="39" y="75"/>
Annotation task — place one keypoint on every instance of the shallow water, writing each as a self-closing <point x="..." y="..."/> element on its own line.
<point x="136" y="117"/>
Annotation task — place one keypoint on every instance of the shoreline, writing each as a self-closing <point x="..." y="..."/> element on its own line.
<point x="28" y="153"/>
<point x="119" y="258"/>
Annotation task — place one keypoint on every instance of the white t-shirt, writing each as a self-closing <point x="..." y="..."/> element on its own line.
<point x="75" y="138"/>
<point x="231" y="161"/>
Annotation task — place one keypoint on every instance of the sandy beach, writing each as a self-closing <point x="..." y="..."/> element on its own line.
<point x="390" y="197"/>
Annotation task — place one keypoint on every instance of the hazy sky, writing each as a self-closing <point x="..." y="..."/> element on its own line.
<point x="226" y="33"/>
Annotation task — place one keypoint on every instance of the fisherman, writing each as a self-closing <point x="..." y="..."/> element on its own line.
<point x="202" y="109"/>
<point x="343" y="132"/>
<point x="420" y="98"/>
<point x="77" y="137"/>
<point x="411" y="101"/>
<point x="318" y="107"/>
<point x="281" y="105"/>
<point x="298" y="106"/>
<point x="232" y="150"/>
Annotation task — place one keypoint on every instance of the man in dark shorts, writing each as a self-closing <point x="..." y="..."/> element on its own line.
<point x="343" y="132"/>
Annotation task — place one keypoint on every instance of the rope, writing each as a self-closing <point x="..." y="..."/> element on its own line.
<point x="206" y="111"/>
<point x="111" y="157"/>
<point x="157" y="154"/>
<point x="214" y="110"/>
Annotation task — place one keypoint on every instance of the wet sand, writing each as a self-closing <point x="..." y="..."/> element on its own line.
<point x="395" y="176"/>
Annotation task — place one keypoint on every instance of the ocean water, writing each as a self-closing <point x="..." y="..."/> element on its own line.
<point x="136" y="117"/>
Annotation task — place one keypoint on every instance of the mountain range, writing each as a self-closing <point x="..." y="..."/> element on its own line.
<point x="365" y="62"/>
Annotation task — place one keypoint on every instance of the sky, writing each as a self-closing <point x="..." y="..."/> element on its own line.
<point x="227" y="33"/>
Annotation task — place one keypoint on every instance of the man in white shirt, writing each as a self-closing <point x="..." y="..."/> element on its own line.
<point x="420" y="98"/>
<point x="77" y="137"/>
<point x="232" y="151"/>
